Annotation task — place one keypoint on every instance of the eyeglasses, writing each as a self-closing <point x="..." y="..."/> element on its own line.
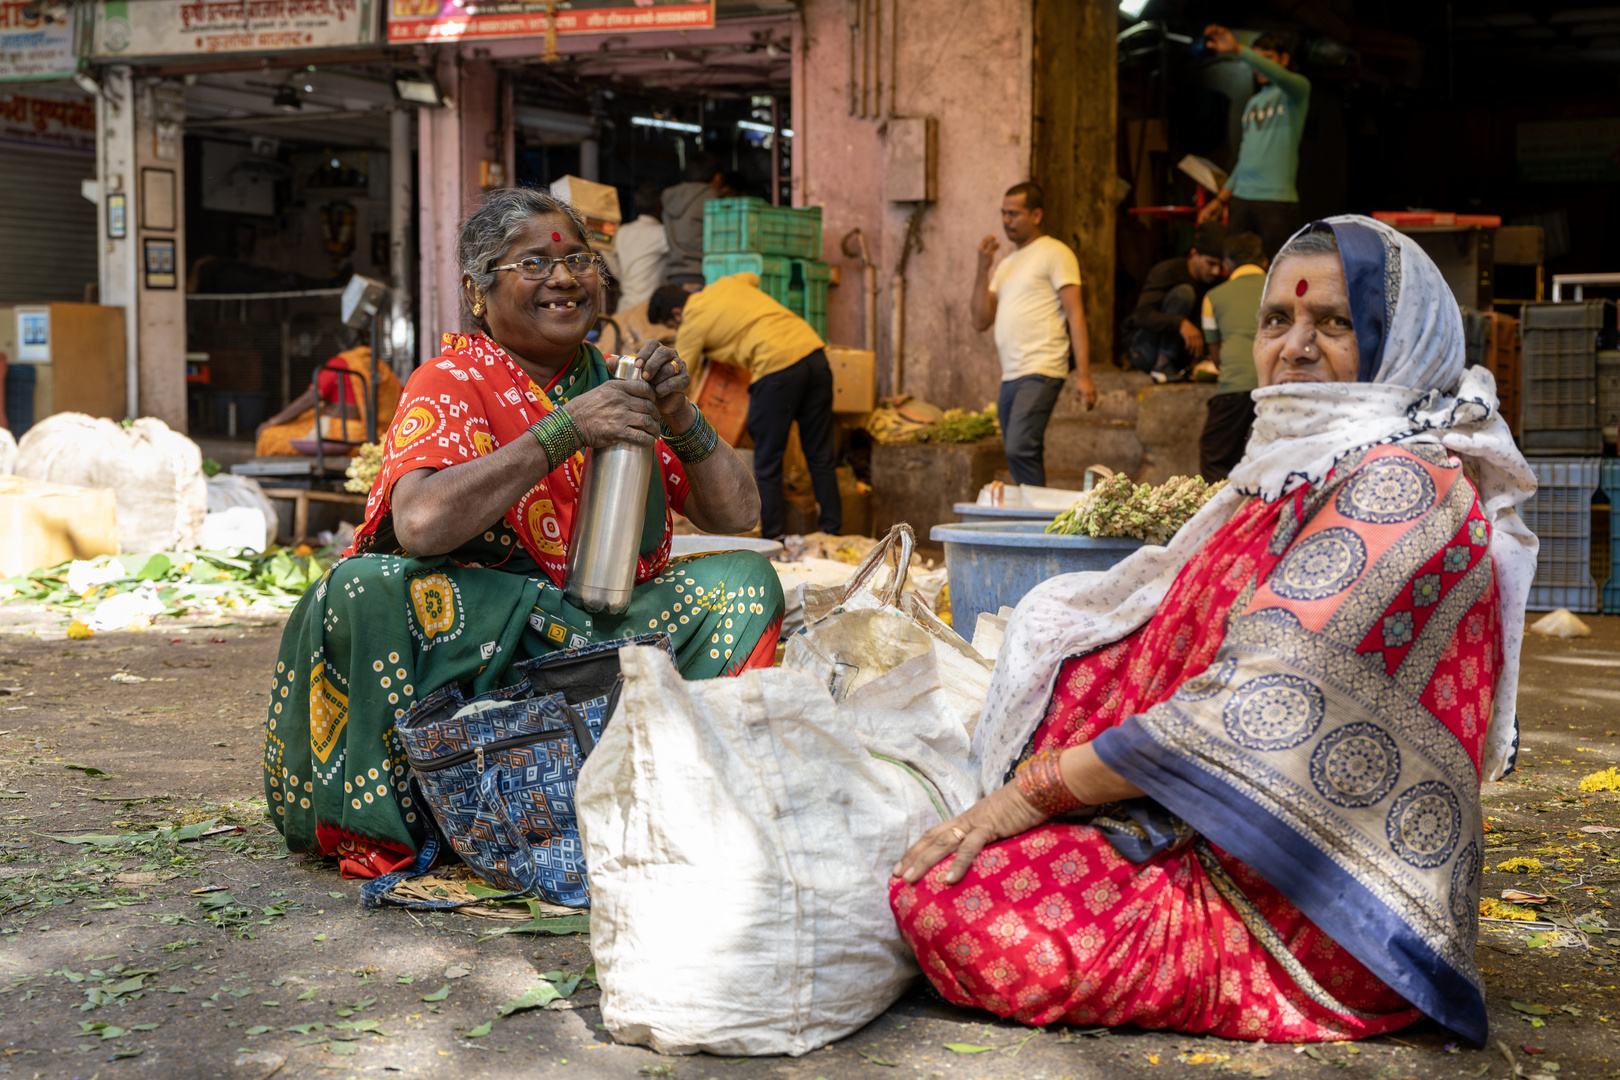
<point x="541" y="267"/>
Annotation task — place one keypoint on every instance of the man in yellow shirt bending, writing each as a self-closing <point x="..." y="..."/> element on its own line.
<point x="732" y="322"/>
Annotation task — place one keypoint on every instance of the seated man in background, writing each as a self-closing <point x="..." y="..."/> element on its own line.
<point x="639" y="248"/>
<point x="346" y="422"/>
<point x="1229" y="321"/>
<point x="732" y="322"/>
<point x="1161" y="336"/>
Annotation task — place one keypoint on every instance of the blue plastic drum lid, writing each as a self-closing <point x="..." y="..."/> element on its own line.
<point x="974" y="512"/>
<point x="992" y="564"/>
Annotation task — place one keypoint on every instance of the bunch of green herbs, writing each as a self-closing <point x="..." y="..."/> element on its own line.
<point x="961" y="426"/>
<point x="1118" y="507"/>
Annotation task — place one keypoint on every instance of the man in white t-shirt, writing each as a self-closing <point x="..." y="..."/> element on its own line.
<point x="1033" y="299"/>
<point x="639" y="249"/>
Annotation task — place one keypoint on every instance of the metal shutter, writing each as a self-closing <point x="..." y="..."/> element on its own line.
<point x="47" y="228"/>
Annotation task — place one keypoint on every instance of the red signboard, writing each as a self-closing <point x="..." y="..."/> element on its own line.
<point x="51" y="114"/>
<point x="413" y="21"/>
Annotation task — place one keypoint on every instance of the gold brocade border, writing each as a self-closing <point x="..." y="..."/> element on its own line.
<point x="1267" y="936"/>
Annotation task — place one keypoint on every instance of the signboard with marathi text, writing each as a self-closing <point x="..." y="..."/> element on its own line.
<point x="49" y="114"/>
<point x="36" y="41"/>
<point x="412" y="21"/>
<point x="136" y="28"/>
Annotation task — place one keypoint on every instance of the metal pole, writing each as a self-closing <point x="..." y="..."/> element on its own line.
<point x="371" y="388"/>
<point x="776" y="151"/>
<point x="401" y="351"/>
<point x="286" y="356"/>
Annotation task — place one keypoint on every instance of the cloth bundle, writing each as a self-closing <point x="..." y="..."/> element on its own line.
<point x="497" y="773"/>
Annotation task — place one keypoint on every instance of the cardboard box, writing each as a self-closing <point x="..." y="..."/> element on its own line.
<point x="854" y="373"/>
<point x="597" y="203"/>
<point x="43" y="524"/>
<point x="721" y="391"/>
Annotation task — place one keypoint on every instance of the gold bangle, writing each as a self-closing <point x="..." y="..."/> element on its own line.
<point x="1040" y="780"/>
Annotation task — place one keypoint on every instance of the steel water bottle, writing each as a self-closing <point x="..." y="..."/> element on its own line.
<point x="602" y="549"/>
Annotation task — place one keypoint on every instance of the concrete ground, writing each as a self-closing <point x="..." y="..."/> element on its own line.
<point x="113" y="965"/>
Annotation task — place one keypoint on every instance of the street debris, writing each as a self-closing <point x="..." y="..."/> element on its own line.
<point x="1561" y="623"/>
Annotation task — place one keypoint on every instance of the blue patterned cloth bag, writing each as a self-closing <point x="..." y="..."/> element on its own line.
<point x="497" y="772"/>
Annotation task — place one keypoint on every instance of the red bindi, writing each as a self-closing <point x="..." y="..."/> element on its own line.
<point x="556" y="238"/>
<point x="1299" y="290"/>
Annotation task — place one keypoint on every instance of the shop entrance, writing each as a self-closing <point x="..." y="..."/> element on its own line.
<point x="288" y="196"/>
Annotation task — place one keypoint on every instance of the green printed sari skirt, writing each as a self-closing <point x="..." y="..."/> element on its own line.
<point x="381" y="632"/>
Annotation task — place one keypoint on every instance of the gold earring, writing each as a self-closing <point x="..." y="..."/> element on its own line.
<point x="478" y="306"/>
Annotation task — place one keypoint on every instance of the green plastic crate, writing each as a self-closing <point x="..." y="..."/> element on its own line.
<point x="734" y="226"/>
<point x="774" y="272"/>
<point x="809" y="284"/>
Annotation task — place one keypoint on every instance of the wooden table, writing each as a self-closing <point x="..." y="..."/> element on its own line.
<point x="301" y="497"/>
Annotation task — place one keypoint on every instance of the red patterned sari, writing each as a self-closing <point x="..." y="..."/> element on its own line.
<point x="1384" y="566"/>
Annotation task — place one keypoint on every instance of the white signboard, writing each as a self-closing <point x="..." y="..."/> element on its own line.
<point x="36" y="40"/>
<point x="136" y="28"/>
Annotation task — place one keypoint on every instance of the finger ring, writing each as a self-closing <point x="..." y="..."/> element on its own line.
<point x="960" y="835"/>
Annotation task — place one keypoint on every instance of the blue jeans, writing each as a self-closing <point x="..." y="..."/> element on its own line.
<point x="1145" y="346"/>
<point x="1024" y="407"/>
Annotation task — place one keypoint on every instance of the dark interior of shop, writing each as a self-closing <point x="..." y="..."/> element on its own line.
<point x="1431" y="104"/>
<point x="287" y="189"/>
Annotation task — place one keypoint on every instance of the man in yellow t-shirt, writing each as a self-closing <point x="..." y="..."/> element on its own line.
<point x="732" y="322"/>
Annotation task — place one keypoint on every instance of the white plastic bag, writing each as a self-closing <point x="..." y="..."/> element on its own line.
<point x="154" y="472"/>
<point x="861" y="634"/>
<point x="740" y="834"/>
<point x="127" y="610"/>
<point x="240" y="527"/>
<point x="8" y="452"/>
<point x="226" y="491"/>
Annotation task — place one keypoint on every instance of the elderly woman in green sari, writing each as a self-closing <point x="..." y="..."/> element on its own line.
<point x="457" y="573"/>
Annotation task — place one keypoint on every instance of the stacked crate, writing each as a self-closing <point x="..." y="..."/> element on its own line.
<point x="779" y="244"/>
<point x="1560" y="514"/>
<point x="1610" y="480"/>
<point x="1558" y="410"/>
<point x="1503" y="358"/>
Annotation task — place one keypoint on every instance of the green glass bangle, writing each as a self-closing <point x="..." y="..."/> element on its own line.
<point x="695" y="443"/>
<point x="558" y="437"/>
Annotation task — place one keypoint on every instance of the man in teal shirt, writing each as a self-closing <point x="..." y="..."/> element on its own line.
<point x="1260" y="195"/>
<point x="1230" y="320"/>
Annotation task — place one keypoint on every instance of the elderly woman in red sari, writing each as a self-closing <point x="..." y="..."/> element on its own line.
<point x="1235" y="780"/>
<point x="458" y="571"/>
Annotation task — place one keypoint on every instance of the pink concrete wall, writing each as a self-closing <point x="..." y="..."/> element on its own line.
<point x="970" y="69"/>
<point x="450" y="142"/>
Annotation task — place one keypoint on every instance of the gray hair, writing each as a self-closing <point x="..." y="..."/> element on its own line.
<point x="491" y="230"/>
<point x="1319" y="241"/>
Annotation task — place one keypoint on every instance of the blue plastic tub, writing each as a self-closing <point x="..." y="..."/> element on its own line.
<point x="994" y="563"/>
<point x="974" y="512"/>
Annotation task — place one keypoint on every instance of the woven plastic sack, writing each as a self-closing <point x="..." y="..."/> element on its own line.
<point x="740" y="834"/>
<point x="882" y="645"/>
<point x="226" y="491"/>
<point x="154" y="472"/>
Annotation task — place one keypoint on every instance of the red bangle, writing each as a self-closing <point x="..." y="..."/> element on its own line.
<point x="1040" y="780"/>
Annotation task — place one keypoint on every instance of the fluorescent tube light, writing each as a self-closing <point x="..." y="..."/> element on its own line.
<point x="667" y="125"/>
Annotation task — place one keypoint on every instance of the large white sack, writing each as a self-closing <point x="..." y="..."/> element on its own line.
<point x="739" y="834"/>
<point x="226" y="491"/>
<point x="866" y="631"/>
<point x="8" y="452"/>
<point x="155" y="473"/>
